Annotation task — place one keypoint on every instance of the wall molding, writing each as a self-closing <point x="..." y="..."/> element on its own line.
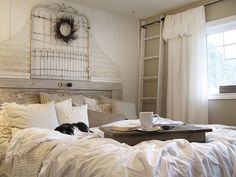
<point x="103" y="79"/>
<point x="222" y="24"/>
<point x="222" y="96"/>
<point x="14" y="75"/>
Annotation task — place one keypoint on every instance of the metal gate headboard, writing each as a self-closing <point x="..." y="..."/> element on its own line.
<point x="55" y="59"/>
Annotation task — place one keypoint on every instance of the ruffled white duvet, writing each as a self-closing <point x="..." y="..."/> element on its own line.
<point x="89" y="155"/>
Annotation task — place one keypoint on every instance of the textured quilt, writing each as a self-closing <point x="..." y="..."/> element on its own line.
<point x="46" y="153"/>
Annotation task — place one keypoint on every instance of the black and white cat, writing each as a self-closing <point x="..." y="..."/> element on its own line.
<point x="73" y="129"/>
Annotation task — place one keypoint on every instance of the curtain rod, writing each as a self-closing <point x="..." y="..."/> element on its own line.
<point x="163" y="18"/>
<point x="158" y="21"/>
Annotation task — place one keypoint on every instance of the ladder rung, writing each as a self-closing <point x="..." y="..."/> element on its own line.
<point x="151" y="57"/>
<point x="149" y="98"/>
<point x="152" y="37"/>
<point x="150" y="78"/>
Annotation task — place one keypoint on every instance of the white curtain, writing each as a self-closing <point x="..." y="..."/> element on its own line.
<point x="187" y="66"/>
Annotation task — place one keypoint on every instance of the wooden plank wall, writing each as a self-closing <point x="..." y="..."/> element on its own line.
<point x="27" y="90"/>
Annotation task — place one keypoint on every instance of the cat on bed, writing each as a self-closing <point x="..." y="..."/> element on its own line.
<point x="73" y="129"/>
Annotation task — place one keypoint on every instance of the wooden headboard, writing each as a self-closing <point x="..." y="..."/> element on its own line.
<point x="27" y="90"/>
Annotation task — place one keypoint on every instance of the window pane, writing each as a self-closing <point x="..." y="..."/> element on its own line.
<point x="215" y="39"/>
<point x="215" y="54"/>
<point x="228" y="74"/>
<point x="230" y="52"/>
<point x="220" y="71"/>
<point x="221" y="51"/>
<point x="230" y="37"/>
<point x="215" y="59"/>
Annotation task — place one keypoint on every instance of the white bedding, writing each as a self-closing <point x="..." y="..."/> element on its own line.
<point x="90" y="155"/>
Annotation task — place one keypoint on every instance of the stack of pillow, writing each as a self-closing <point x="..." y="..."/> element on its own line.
<point x="55" y="110"/>
<point x="97" y="106"/>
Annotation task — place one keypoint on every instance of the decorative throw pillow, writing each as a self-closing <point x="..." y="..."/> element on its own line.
<point x="73" y="114"/>
<point x="103" y="99"/>
<point x="128" y="109"/>
<point x="61" y="109"/>
<point x="32" y="115"/>
<point x="77" y="100"/>
<point x="79" y="114"/>
<point x="46" y="97"/>
<point x="105" y="107"/>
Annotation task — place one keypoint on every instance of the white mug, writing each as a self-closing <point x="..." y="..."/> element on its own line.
<point x="146" y="120"/>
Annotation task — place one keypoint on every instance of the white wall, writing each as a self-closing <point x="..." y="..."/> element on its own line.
<point x="117" y="36"/>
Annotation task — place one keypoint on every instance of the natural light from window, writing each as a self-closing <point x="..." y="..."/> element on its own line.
<point x="221" y="47"/>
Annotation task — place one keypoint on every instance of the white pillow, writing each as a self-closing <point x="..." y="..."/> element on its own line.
<point x="32" y="115"/>
<point x="79" y="114"/>
<point x="77" y="100"/>
<point x="61" y="109"/>
<point x="73" y="114"/>
<point x="90" y="101"/>
<point x="92" y="104"/>
<point x="128" y="109"/>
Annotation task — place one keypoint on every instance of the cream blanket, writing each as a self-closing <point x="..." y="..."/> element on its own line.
<point x="89" y="155"/>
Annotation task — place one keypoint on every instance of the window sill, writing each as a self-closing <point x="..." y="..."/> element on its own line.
<point x="222" y="96"/>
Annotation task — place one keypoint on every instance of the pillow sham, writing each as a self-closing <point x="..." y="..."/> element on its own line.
<point x="92" y="104"/>
<point x="61" y="110"/>
<point x="79" y="114"/>
<point x="105" y="103"/>
<point x="46" y="97"/>
<point x="128" y="109"/>
<point x="103" y="99"/>
<point x="105" y="107"/>
<point x="77" y="100"/>
<point x="73" y="114"/>
<point x="32" y="115"/>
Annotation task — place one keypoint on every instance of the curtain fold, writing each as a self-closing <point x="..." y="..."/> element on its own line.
<point x="187" y="66"/>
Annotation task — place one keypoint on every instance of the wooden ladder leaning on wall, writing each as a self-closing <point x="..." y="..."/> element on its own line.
<point x="151" y="67"/>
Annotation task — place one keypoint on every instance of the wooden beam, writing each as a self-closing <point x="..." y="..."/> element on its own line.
<point x="54" y="84"/>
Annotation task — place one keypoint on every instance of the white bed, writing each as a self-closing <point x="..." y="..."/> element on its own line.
<point x="30" y="152"/>
<point x="40" y="152"/>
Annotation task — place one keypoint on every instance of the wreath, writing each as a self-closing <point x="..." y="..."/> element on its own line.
<point x="65" y="28"/>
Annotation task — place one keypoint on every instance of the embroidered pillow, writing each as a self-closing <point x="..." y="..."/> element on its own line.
<point x="46" y="97"/>
<point x="73" y="114"/>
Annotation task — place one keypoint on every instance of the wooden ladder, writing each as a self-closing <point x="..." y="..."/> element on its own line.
<point x="146" y="56"/>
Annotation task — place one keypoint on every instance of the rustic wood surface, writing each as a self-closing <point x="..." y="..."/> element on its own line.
<point x="24" y="91"/>
<point x="190" y="133"/>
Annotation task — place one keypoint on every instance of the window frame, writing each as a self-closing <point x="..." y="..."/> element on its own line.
<point x="217" y="26"/>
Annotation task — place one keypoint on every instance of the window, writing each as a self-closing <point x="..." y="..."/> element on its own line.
<point x="221" y="53"/>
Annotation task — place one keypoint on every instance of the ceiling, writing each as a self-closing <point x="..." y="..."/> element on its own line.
<point x="135" y="8"/>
